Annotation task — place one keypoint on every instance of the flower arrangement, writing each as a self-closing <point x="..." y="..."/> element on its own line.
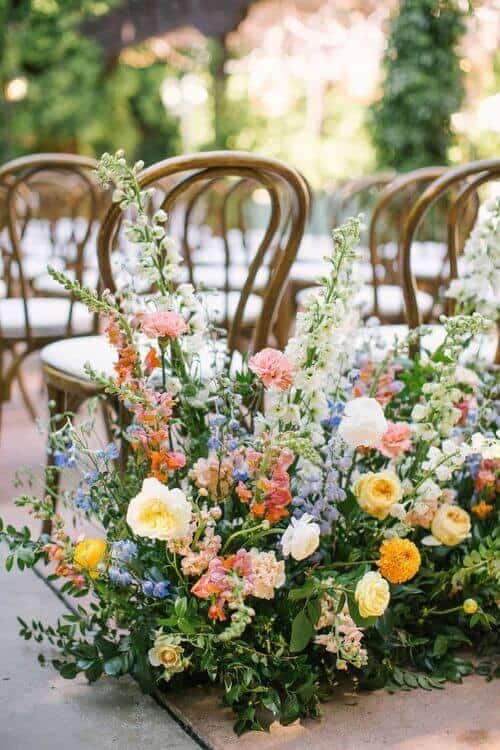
<point x="270" y="527"/>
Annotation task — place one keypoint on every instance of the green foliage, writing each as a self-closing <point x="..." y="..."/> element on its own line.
<point x="423" y="85"/>
<point x="73" y="102"/>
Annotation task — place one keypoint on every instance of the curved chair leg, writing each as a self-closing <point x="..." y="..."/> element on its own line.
<point x="24" y="394"/>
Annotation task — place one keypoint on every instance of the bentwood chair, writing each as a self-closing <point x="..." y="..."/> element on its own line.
<point x="384" y="298"/>
<point x="39" y="193"/>
<point x="466" y="181"/>
<point x="249" y="318"/>
<point x="351" y="198"/>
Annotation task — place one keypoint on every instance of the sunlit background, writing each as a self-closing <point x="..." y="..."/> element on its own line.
<point x="333" y="87"/>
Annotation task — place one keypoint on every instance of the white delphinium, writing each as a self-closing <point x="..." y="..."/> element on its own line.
<point x="437" y="414"/>
<point x="477" y="289"/>
<point x="323" y="346"/>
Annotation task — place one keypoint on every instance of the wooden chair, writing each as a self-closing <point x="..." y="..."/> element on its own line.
<point x="351" y="198"/>
<point x="468" y="179"/>
<point x="28" y="323"/>
<point x="176" y="179"/>
<point x="385" y="298"/>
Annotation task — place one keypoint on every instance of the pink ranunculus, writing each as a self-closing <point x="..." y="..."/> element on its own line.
<point x="273" y="368"/>
<point x="395" y="440"/>
<point x="163" y="324"/>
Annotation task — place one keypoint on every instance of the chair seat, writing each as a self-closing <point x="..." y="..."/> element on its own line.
<point x="483" y="347"/>
<point x="309" y="272"/>
<point x="69" y="357"/>
<point x="214" y="276"/>
<point x="222" y="306"/>
<point x="390" y="300"/>
<point x="34" y="265"/>
<point x="48" y="317"/>
<point x="45" y="284"/>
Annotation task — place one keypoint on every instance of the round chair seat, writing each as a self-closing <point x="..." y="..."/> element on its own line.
<point x="48" y="317"/>
<point x="307" y="273"/>
<point x="214" y="276"/>
<point x="222" y="306"/>
<point x="68" y="358"/>
<point x="390" y="300"/>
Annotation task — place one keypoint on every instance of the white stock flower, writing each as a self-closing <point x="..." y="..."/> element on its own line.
<point x="301" y="538"/>
<point x="363" y="423"/>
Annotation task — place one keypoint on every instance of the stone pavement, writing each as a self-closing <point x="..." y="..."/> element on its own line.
<point x="38" y="709"/>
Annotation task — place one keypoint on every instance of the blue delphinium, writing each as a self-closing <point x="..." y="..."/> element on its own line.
<point x="91" y="477"/>
<point x="158" y="589"/>
<point x="119" y="576"/>
<point x="82" y="499"/>
<point x="124" y="550"/>
<point x="109" y="453"/>
<point x="240" y="474"/>
<point x="65" y="458"/>
<point x="336" y="409"/>
<point x="321" y="510"/>
<point x="214" y="443"/>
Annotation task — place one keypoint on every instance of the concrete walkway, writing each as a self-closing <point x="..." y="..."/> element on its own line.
<point x="38" y="709"/>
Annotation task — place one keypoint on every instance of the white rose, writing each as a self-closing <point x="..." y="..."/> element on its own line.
<point x="301" y="538"/>
<point x="159" y="513"/>
<point x="363" y="423"/>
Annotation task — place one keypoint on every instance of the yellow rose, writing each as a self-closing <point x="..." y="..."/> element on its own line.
<point x="372" y="595"/>
<point x="159" y="513"/>
<point x="88" y="554"/>
<point x="167" y="653"/>
<point x="470" y="606"/>
<point x="451" y="525"/>
<point x="377" y="492"/>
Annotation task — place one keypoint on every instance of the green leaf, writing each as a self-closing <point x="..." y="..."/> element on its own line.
<point x="69" y="671"/>
<point x="302" y="632"/>
<point x="314" y="610"/>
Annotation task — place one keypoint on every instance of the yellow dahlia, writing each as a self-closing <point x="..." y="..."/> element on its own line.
<point x="399" y="560"/>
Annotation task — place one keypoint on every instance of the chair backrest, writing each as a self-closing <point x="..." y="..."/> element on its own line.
<point x="356" y="195"/>
<point x="395" y="197"/>
<point x="50" y="205"/>
<point x="466" y="180"/>
<point x="180" y="178"/>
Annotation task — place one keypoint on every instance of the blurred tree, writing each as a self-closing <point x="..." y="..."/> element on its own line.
<point x="423" y="85"/>
<point x="59" y="96"/>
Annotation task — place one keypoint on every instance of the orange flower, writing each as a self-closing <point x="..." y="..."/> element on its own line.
<point x="243" y="493"/>
<point x="482" y="510"/>
<point x="151" y="360"/>
<point x="399" y="560"/>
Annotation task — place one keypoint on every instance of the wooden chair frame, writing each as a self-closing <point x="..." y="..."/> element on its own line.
<point x="271" y="174"/>
<point x="473" y="175"/>
<point x="14" y="179"/>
